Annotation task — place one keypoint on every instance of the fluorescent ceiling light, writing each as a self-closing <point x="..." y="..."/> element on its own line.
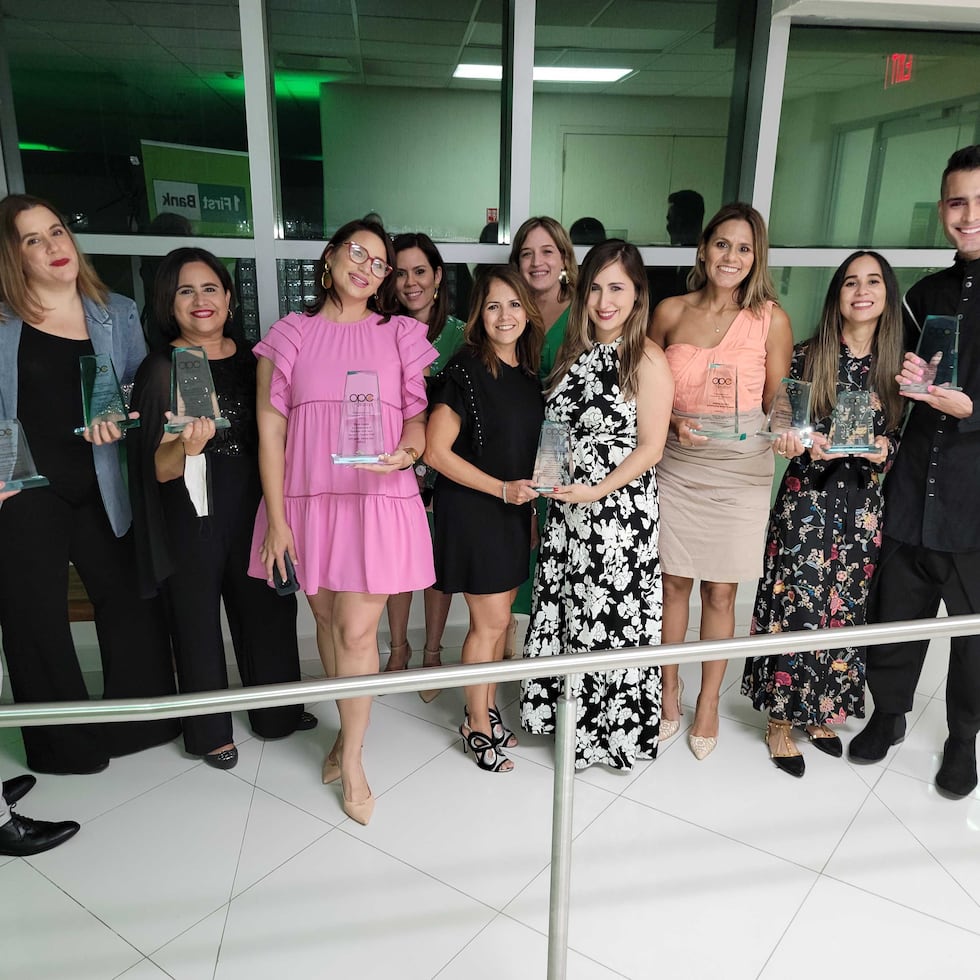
<point x="495" y="73"/>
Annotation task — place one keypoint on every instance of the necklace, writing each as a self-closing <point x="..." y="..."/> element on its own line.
<point x="722" y="314"/>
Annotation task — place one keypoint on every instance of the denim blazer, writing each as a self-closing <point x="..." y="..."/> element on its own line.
<point x="114" y="329"/>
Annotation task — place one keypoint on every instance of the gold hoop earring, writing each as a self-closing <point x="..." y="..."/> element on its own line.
<point x="326" y="280"/>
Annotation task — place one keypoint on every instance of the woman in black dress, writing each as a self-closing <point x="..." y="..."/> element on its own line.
<point x="486" y="412"/>
<point x="825" y="528"/>
<point x="196" y="493"/>
<point x="54" y="309"/>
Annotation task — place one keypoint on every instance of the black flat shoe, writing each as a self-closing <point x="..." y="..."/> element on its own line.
<point x="957" y="776"/>
<point x="227" y="759"/>
<point x="17" y="788"/>
<point x="828" y="742"/>
<point x="880" y="734"/>
<point x="22" y="837"/>
<point x="307" y="722"/>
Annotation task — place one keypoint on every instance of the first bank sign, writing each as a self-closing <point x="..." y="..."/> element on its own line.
<point x="201" y="202"/>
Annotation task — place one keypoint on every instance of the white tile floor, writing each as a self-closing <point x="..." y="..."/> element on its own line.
<point x="724" y="869"/>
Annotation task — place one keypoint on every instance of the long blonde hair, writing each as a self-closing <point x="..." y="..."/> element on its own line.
<point x="580" y="335"/>
<point x="15" y="290"/>
<point x="560" y="237"/>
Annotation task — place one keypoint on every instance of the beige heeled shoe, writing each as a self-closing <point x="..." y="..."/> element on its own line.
<point x="331" y="765"/>
<point x="431" y="658"/>
<point x="669" y="727"/>
<point x="702" y="746"/>
<point x="361" y="812"/>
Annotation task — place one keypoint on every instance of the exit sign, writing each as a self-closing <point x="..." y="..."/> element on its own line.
<point x="898" y="69"/>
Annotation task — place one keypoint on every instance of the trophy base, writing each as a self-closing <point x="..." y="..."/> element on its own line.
<point x="804" y="437"/>
<point x="178" y="425"/>
<point x="923" y="389"/>
<point x="354" y="460"/>
<point x="28" y="483"/>
<point x="122" y="424"/>
<point x="728" y="436"/>
<point x="849" y="450"/>
<point x="544" y="489"/>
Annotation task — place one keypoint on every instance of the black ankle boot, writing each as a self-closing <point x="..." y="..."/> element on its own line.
<point x="882" y="732"/>
<point x="957" y="776"/>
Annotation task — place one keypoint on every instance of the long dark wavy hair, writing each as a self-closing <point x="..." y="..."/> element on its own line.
<point x="440" y="309"/>
<point x="820" y="366"/>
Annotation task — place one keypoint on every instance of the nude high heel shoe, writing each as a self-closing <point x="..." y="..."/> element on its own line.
<point x="361" y="812"/>
<point x="331" y="765"/>
<point x="669" y="727"/>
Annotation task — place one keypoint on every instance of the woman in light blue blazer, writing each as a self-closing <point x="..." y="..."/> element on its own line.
<point x="54" y="310"/>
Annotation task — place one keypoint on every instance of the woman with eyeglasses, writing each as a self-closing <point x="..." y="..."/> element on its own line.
<point x="421" y="293"/>
<point x="354" y="534"/>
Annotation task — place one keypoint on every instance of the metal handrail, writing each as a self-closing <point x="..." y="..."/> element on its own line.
<point x="463" y="675"/>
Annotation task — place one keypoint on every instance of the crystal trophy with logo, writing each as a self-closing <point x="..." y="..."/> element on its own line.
<point x="551" y="465"/>
<point x="790" y="412"/>
<point x="852" y="426"/>
<point x="192" y="394"/>
<point x="939" y="347"/>
<point x="17" y="469"/>
<point x="719" y="420"/>
<point x="102" y="398"/>
<point x="361" y="434"/>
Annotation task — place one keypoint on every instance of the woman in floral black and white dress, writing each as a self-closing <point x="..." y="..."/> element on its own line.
<point x="598" y="580"/>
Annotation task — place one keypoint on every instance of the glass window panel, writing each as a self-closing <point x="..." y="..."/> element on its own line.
<point x="616" y="150"/>
<point x="370" y="118"/>
<point x="93" y="80"/>
<point x="869" y="118"/>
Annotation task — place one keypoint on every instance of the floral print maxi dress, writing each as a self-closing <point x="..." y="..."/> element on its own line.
<point x="598" y="582"/>
<point x="821" y="550"/>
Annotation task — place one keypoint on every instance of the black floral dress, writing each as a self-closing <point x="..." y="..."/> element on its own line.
<point x="598" y="582"/>
<point x="821" y="550"/>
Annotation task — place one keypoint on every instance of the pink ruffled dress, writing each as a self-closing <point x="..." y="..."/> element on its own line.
<point x="355" y="531"/>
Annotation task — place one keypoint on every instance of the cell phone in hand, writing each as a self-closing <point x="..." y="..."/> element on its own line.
<point x="289" y="585"/>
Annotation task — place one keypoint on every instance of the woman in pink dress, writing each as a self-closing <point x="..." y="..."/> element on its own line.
<point x="355" y="534"/>
<point x="715" y="493"/>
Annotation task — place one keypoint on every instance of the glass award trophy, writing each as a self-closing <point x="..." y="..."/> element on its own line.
<point x="790" y="412"/>
<point x="102" y="398"/>
<point x="719" y="420"/>
<point x="17" y="469"/>
<point x="939" y="347"/>
<point x="361" y="435"/>
<point x="192" y="394"/>
<point x="852" y="427"/>
<point x="551" y="465"/>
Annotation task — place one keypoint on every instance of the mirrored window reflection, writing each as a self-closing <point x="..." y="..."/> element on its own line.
<point x="371" y="118"/>
<point x="869" y="118"/>
<point x="615" y="150"/>
<point x="131" y="114"/>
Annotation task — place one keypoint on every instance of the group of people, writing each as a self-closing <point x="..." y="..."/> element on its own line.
<point x="650" y="505"/>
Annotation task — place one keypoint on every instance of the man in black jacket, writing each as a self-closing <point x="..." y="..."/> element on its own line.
<point x="931" y="548"/>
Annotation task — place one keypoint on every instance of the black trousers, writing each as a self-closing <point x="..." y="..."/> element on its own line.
<point x="211" y="556"/>
<point x="41" y="532"/>
<point x="909" y="583"/>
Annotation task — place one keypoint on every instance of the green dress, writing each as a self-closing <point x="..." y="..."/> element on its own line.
<point x="549" y="352"/>
<point x="449" y="341"/>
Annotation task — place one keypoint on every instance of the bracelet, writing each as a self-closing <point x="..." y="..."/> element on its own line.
<point x="503" y="492"/>
<point x="412" y="453"/>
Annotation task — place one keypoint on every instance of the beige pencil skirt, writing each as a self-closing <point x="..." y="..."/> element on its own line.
<point x="714" y="506"/>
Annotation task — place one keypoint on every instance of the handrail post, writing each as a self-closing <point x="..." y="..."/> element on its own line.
<point x="566" y="708"/>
